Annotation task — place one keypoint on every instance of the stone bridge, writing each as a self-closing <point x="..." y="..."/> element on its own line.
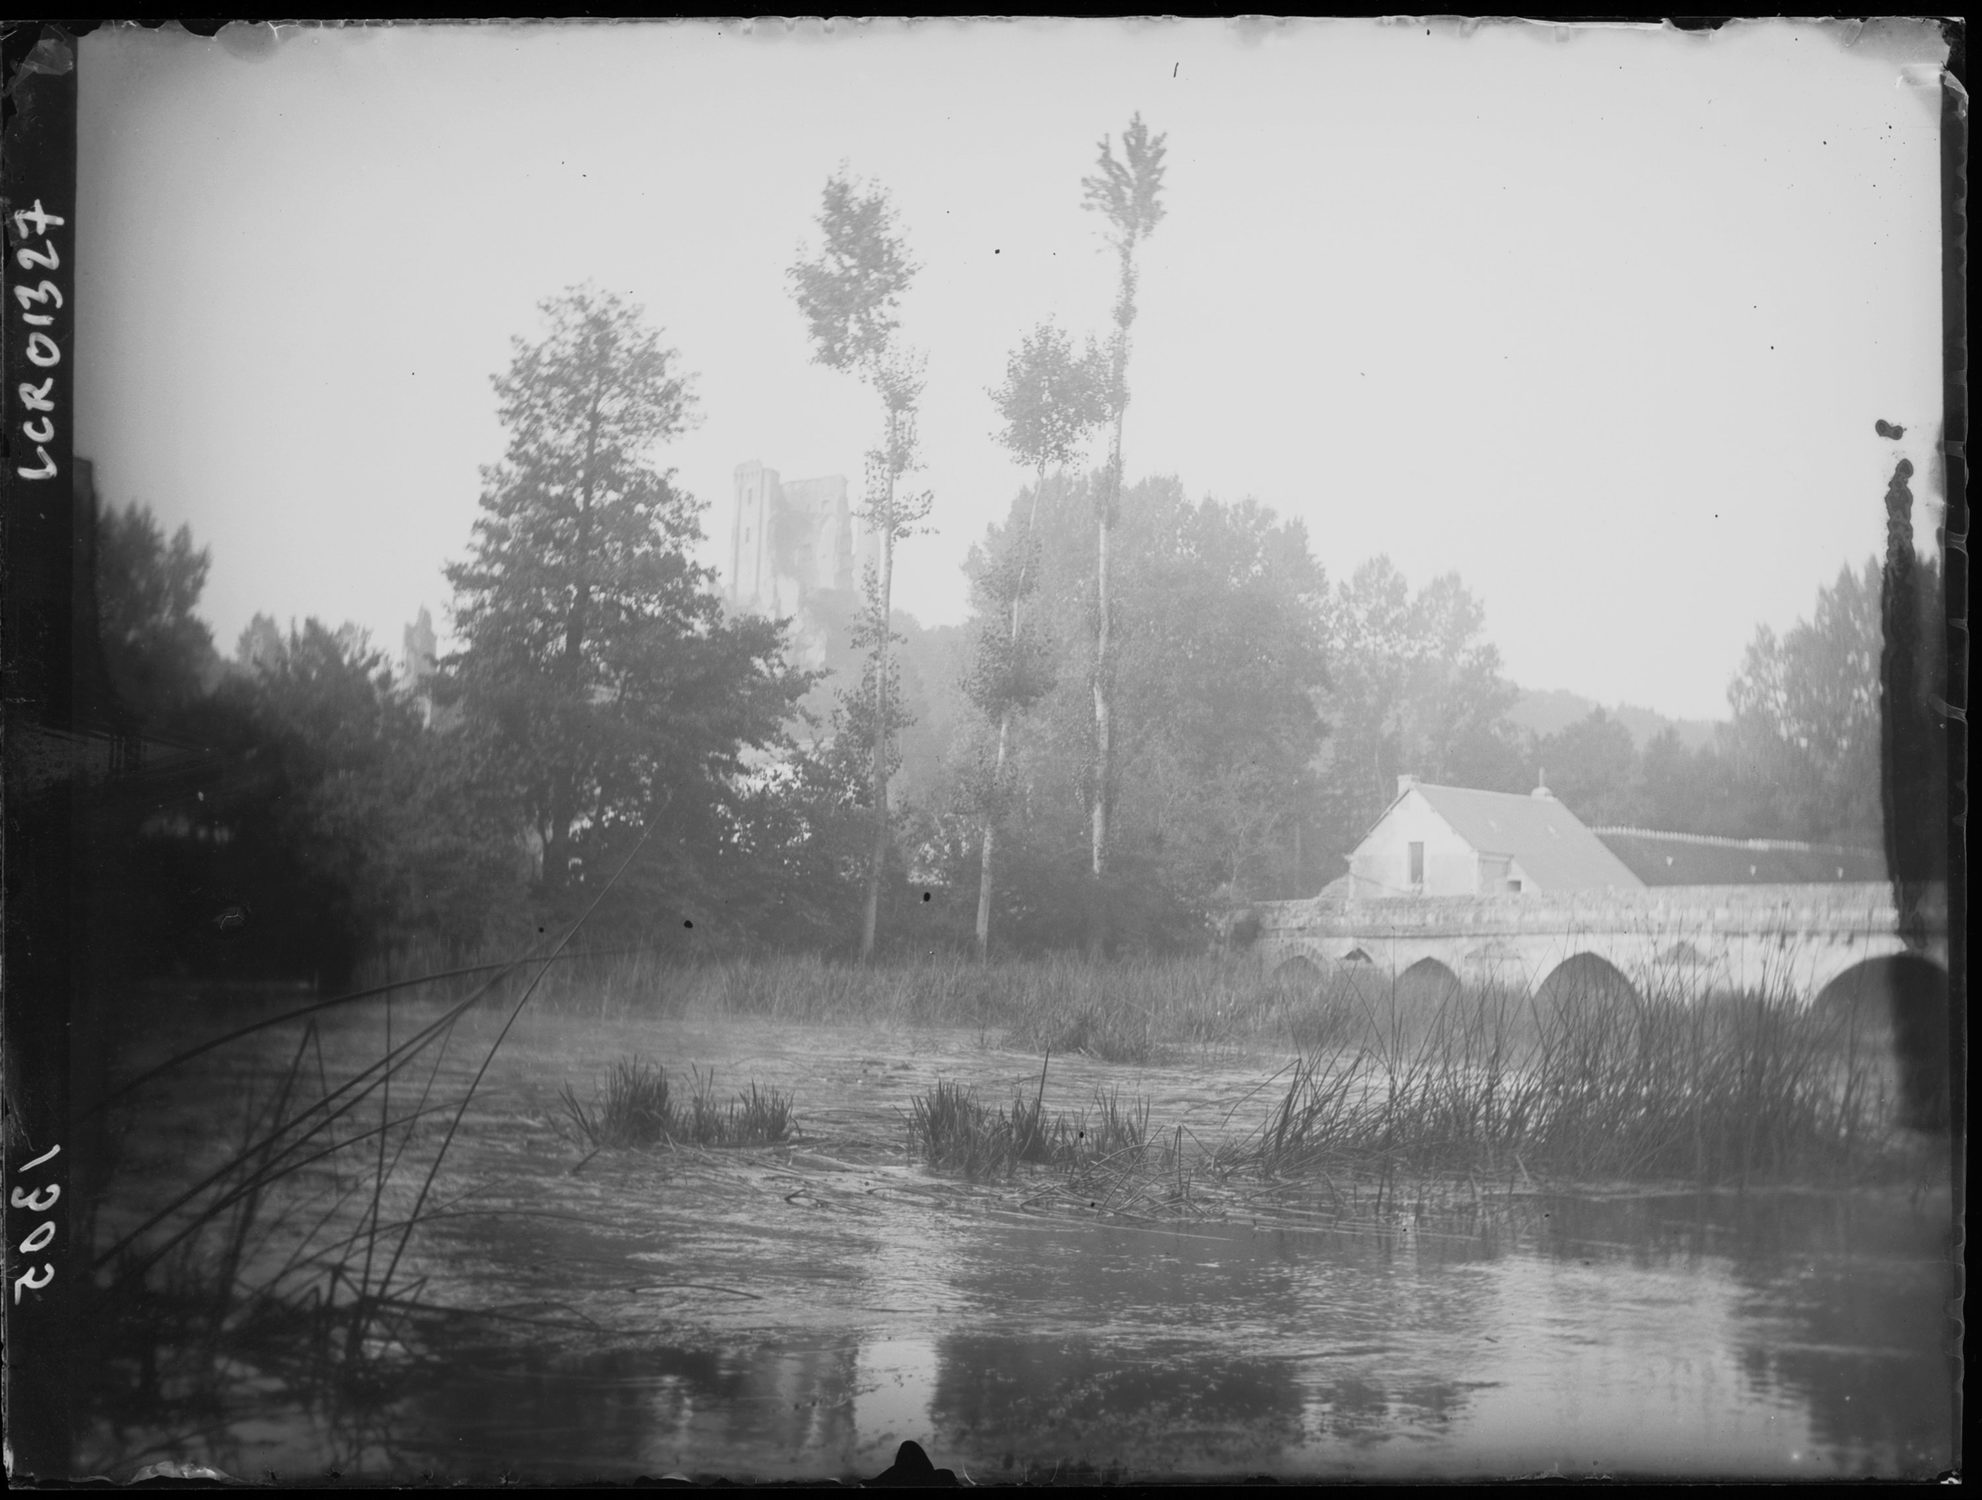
<point x="1690" y="940"/>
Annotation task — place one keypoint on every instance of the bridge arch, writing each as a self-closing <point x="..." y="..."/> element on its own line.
<point x="1298" y="971"/>
<point x="1855" y="953"/>
<point x="1903" y="999"/>
<point x="1428" y="983"/>
<point x="1586" y="981"/>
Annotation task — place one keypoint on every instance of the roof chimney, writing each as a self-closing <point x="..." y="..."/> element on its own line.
<point x="1541" y="791"/>
<point x="1405" y="783"/>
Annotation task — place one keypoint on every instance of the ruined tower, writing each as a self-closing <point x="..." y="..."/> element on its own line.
<point x="797" y="551"/>
<point x="417" y="664"/>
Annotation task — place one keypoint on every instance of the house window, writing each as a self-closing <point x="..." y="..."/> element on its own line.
<point x="1514" y="884"/>
<point x="1417" y="865"/>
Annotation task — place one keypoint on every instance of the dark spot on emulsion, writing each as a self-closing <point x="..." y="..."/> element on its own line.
<point x="925" y="895"/>
<point x="687" y="924"/>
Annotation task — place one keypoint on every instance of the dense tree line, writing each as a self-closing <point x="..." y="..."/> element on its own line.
<point x="1798" y="758"/>
<point x="1263" y="713"/>
<point x="1417" y="690"/>
<point x="1219" y="664"/>
<point x="1159" y="709"/>
<point x="603" y="723"/>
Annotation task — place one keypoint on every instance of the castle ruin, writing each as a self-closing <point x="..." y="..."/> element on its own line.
<point x="798" y="552"/>
<point x="418" y="664"/>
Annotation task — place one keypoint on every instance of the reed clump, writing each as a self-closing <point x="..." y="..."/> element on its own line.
<point x="1574" y="1084"/>
<point x="635" y="1108"/>
<point x="1588" y="1087"/>
<point x="955" y="1132"/>
<point x="631" y="1110"/>
<point x="951" y="1129"/>
<point x="1103" y="1156"/>
<point x="1113" y="1128"/>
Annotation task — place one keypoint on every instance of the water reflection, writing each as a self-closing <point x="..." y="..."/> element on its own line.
<point x="1691" y="1335"/>
<point x="1216" y="1349"/>
<point x="767" y="1412"/>
<point x="1018" y="1403"/>
<point x="1835" y="1309"/>
<point x="1694" y="1334"/>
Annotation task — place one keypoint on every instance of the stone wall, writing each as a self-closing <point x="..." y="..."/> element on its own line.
<point x="1704" y="937"/>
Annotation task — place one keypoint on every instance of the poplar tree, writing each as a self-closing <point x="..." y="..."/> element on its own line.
<point x="850" y="294"/>
<point x="1052" y="399"/>
<point x="1127" y="195"/>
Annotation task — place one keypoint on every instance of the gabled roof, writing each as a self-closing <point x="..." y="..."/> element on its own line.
<point x="1697" y="859"/>
<point x="1555" y="851"/>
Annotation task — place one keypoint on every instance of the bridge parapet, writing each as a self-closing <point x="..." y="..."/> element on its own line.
<point x="1735" y="935"/>
<point x="1865" y="907"/>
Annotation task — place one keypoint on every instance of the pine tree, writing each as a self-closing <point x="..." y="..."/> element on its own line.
<point x="595" y="651"/>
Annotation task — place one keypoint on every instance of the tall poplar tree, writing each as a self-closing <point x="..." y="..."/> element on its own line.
<point x="850" y="294"/>
<point x="1127" y="195"/>
<point x="1052" y="399"/>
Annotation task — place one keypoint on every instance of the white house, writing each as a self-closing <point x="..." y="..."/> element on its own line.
<point x="1453" y="841"/>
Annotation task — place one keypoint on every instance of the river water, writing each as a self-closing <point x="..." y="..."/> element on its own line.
<point x="799" y="1313"/>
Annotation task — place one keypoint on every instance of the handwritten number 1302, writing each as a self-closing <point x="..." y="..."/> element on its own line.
<point x="36" y="1203"/>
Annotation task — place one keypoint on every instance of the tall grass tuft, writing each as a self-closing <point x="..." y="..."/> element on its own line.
<point x="755" y="1117"/>
<point x="1114" y="1128"/>
<point x="635" y="1109"/>
<point x="1588" y="1086"/>
<point x="954" y="1132"/>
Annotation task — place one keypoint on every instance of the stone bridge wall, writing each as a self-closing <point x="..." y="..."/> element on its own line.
<point x="1687" y="937"/>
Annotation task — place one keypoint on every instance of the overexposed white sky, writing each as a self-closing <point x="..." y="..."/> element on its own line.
<point x="1598" y="317"/>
